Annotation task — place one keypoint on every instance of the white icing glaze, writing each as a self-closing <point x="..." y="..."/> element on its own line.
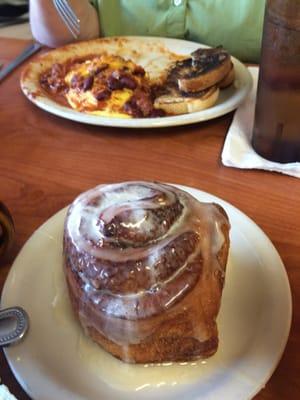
<point x="84" y="219"/>
<point x="113" y="371"/>
<point x="85" y="227"/>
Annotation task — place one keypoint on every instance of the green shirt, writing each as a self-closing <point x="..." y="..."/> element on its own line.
<point x="235" y="24"/>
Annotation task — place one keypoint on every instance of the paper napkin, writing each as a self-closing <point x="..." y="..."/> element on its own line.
<point x="5" y="394"/>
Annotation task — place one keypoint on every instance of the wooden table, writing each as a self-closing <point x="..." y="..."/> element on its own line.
<point x="45" y="161"/>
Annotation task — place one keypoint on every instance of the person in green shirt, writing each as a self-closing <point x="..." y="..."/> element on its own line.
<point x="234" y="24"/>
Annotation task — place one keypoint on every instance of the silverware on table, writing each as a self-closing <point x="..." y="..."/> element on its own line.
<point x="68" y="16"/>
<point x="14" y="323"/>
<point x="31" y="49"/>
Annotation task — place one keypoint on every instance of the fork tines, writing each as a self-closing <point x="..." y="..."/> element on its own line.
<point x="68" y="16"/>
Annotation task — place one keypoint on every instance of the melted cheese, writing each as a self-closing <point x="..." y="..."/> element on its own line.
<point x="78" y="69"/>
<point x="85" y="100"/>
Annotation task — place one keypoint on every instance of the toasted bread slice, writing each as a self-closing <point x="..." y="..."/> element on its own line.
<point x="175" y="103"/>
<point x="204" y="69"/>
<point x="228" y="79"/>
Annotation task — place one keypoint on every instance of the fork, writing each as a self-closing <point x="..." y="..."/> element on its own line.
<point x="68" y="16"/>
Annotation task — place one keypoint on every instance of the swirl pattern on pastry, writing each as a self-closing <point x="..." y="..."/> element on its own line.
<point x="134" y="251"/>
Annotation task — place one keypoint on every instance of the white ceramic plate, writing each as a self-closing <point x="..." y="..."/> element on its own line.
<point x="229" y="98"/>
<point x="56" y="360"/>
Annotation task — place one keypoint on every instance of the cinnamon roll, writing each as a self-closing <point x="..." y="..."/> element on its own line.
<point x="145" y="265"/>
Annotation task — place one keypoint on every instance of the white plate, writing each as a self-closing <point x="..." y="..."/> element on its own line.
<point x="229" y="98"/>
<point x="56" y="361"/>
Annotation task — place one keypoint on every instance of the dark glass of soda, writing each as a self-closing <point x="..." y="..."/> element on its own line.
<point x="276" y="133"/>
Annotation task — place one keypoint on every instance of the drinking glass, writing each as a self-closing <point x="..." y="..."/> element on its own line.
<point x="276" y="133"/>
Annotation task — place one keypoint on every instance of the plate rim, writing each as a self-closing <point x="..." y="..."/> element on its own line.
<point x="227" y="205"/>
<point x="213" y="112"/>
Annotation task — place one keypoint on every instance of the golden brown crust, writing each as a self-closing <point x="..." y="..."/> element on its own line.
<point x="178" y="104"/>
<point x="228" y="79"/>
<point x="207" y="79"/>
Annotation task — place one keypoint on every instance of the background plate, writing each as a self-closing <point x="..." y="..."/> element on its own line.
<point x="56" y="361"/>
<point x="229" y="98"/>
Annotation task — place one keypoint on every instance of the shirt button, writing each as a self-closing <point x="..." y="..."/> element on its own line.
<point x="177" y="3"/>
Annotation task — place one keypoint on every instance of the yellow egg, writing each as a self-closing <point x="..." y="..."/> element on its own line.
<point x="85" y="101"/>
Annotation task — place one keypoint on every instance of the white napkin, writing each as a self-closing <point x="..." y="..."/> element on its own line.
<point x="5" y="394"/>
<point x="238" y="152"/>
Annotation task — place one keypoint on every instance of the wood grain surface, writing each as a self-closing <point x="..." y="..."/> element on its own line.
<point x="46" y="161"/>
